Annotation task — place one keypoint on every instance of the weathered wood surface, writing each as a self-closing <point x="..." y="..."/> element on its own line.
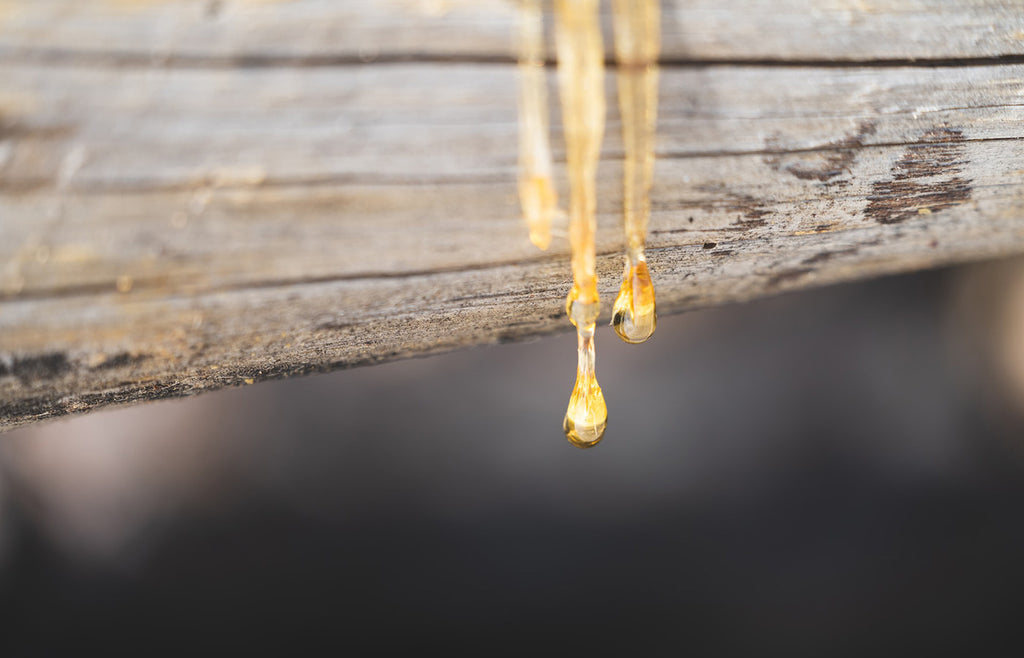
<point x="330" y="32"/>
<point x="201" y="194"/>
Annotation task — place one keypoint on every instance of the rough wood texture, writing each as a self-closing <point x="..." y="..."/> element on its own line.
<point x="201" y="194"/>
<point x="259" y="32"/>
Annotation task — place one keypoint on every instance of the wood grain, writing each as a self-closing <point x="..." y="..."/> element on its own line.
<point x="328" y="32"/>
<point x="257" y="201"/>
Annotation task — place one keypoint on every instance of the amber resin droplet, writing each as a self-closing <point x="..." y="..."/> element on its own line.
<point x="633" y="316"/>
<point x="587" y="415"/>
<point x="537" y="194"/>
<point x="637" y="44"/>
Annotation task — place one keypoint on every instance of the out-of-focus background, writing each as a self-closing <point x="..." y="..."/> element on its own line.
<point x="834" y="472"/>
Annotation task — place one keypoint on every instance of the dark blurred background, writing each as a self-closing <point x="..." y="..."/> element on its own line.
<point x="836" y="472"/>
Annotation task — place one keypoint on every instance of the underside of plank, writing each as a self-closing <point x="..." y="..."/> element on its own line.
<point x="202" y="194"/>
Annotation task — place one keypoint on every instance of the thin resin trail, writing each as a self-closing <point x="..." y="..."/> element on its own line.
<point x="537" y="194"/>
<point x="581" y="86"/>
<point x="637" y="45"/>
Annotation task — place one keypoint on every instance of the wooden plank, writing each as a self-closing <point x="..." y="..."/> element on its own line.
<point x="318" y="31"/>
<point x="396" y="169"/>
<point x="171" y="229"/>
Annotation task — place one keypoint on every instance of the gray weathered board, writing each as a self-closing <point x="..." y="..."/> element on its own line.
<point x="201" y="194"/>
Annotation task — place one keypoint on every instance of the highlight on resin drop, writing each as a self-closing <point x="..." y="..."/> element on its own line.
<point x="581" y="87"/>
<point x="537" y="194"/>
<point x="637" y="45"/>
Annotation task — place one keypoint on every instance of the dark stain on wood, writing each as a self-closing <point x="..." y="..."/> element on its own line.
<point x="924" y="180"/>
<point x="36" y="368"/>
<point x="710" y="245"/>
<point x="822" y="165"/>
<point x="751" y="208"/>
<point x="121" y="360"/>
<point x="507" y="337"/>
<point x="746" y="224"/>
<point x="721" y="201"/>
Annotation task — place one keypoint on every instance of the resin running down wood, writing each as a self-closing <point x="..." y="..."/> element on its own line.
<point x="637" y="44"/>
<point x="581" y="87"/>
<point x="536" y="191"/>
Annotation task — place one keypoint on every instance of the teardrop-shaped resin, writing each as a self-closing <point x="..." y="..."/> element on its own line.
<point x="634" y="316"/>
<point x="587" y="415"/>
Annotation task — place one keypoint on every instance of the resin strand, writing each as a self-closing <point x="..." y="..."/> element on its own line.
<point x="537" y="194"/>
<point x="637" y="44"/>
<point x="581" y="86"/>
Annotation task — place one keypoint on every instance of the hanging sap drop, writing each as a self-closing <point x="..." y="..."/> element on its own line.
<point x="633" y="315"/>
<point x="587" y="415"/>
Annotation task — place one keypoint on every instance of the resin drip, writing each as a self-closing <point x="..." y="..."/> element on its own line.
<point x="587" y="415"/>
<point x="581" y="86"/>
<point x="637" y="44"/>
<point x="536" y="192"/>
